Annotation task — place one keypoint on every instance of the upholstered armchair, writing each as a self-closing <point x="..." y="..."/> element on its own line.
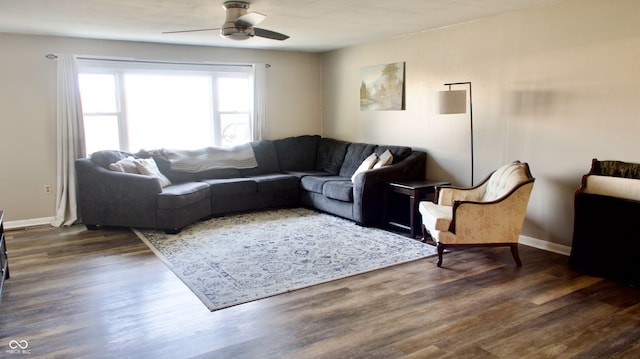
<point x="489" y="214"/>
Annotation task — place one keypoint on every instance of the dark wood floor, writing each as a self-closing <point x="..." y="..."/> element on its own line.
<point x="75" y="293"/>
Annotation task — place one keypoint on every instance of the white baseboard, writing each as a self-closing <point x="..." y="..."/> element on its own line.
<point x="544" y="245"/>
<point x="27" y="223"/>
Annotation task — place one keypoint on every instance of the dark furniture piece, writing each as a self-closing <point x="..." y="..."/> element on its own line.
<point x="305" y="170"/>
<point x="4" y="261"/>
<point x="606" y="242"/>
<point x="402" y="212"/>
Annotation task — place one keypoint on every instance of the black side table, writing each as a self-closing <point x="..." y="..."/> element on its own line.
<point x="416" y="190"/>
<point x="4" y="262"/>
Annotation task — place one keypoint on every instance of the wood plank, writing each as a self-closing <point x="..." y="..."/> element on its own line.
<point x="78" y="293"/>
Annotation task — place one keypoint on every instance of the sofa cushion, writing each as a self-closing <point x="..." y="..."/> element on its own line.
<point x="148" y="167"/>
<point x="297" y="153"/>
<point x="435" y="215"/>
<point x="301" y="174"/>
<point x="385" y="159"/>
<point x="331" y="154"/>
<point x="178" y="176"/>
<point x="276" y="182"/>
<point x="366" y="165"/>
<point x="619" y="187"/>
<point x="356" y="154"/>
<point x="316" y="183"/>
<point x="341" y="190"/>
<point x="125" y="165"/>
<point x="231" y="186"/>
<point x="503" y="180"/>
<point x="107" y="157"/>
<point x="219" y="173"/>
<point x="183" y="194"/>
<point x="165" y="167"/>
<point x="399" y="152"/>
<point x="615" y="169"/>
<point x="267" y="158"/>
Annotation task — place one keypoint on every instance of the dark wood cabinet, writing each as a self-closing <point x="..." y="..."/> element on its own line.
<point x="4" y="262"/>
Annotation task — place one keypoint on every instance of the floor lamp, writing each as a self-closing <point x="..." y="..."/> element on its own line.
<point x="455" y="101"/>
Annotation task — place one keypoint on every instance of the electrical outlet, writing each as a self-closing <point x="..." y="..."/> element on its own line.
<point x="47" y="189"/>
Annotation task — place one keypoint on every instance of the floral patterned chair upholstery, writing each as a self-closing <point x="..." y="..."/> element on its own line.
<point x="489" y="214"/>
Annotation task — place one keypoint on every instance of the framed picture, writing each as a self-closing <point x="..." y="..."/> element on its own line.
<point x="382" y="87"/>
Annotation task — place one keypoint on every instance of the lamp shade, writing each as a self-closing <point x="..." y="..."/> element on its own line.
<point x="453" y="101"/>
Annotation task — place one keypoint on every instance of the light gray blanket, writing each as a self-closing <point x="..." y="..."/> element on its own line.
<point x="209" y="158"/>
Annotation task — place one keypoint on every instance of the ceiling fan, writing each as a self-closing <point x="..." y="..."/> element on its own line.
<point x="240" y="24"/>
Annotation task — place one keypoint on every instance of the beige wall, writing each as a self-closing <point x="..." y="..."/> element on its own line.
<point x="554" y="86"/>
<point x="28" y="105"/>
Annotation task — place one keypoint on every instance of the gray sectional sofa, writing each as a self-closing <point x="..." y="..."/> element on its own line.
<point x="306" y="170"/>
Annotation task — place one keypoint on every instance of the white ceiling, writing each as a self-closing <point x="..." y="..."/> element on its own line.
<point x="313" y="25"/>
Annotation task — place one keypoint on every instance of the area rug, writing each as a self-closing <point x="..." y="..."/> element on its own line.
<point x="236" y="259"/>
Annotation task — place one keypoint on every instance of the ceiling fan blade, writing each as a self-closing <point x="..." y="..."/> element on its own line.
<point x="196" y="30"/>
<point x="249" y="19"/>
<point x="269" y="34"/>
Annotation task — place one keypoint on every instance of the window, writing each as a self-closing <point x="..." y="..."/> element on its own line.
<point x="132" y="106"/>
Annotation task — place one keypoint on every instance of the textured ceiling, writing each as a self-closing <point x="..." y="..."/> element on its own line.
<point x="313" y="25"/>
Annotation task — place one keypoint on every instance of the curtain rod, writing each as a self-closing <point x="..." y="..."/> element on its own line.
<point x="54" y="57"/>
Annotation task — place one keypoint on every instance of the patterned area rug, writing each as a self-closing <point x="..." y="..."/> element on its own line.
<point x="241" y="258"/>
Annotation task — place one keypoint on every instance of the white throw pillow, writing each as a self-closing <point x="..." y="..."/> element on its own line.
<point x="147" y="166"/>
<point x="126" y="165"/>
<point x="365" y="166"/>
<point x="385" y="159"/>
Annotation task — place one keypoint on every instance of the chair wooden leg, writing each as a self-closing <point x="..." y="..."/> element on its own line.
<point x="440" y="253"/>
<point x="514" y="252"/>
<point x="426" y="236"/>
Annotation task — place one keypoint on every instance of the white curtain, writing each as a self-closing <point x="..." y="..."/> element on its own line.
<point x="70" y="140"/>
<point x="259" y="126"/>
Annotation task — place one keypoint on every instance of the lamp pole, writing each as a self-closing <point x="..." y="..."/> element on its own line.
<point x="470" y="118"/>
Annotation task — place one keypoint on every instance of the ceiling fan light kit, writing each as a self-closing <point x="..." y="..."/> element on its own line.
<point x="233" y="33"/>
<point x="238" y="24"/>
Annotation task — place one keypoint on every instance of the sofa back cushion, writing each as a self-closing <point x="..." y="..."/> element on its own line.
<point x="107" y="157"/>
<point x="297" y="153"/>
<point x="164" y="165"/>
<point x="504" y="179"/>
<point x="611" y="186"/>
<point x="356" y="153"/>
<point x="267" y="158"/>
<point x="331" y="154"/>
<point x="615" y="168"/>
<point x="399" y="152"/>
